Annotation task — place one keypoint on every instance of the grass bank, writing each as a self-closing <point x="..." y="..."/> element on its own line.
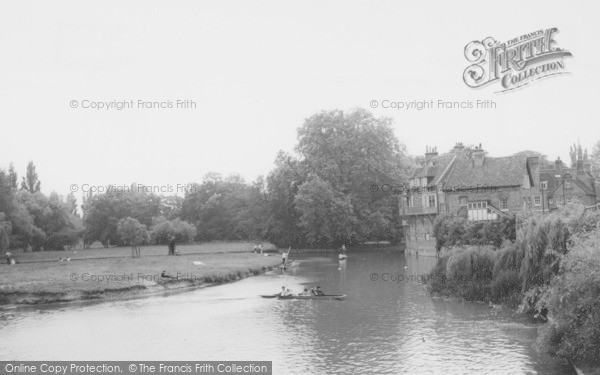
<point x="123" y="252"/>
<point x="96" y="278"/>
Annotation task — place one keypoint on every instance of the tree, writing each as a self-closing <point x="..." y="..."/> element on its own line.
<point x="102" y="212"/>
<point x="326" y="215"/>
<point x="12" y="177"/>
<point x="595" y="159"/>
<point x="72" y="204"/>
<point x="350" y="152"/>
<point x="5" y="230"/>
<point x="164" y="230"/>
<point x="576" y="152"/>
<point x="31" y="182"/>
<point x="282" y="222"/>
<point x="132" y="233"/>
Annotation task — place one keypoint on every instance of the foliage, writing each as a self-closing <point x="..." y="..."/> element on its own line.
<point x="576" y="152"/>
<point x="102" y="212"/>
<point x="36" y="220"/>
<point x="595" y="160"/>
<point x="30" y="182"/>
<point x="282" y="224"/>
<point x="225" y="208"/>
<point x="131" y="232"/>
<point x="573" y="301"/>
<point x="5" y="230"/>
<point x="468" y="273"/>
<point x="164" y="230"/>
<point x="326" y="214"/>
<point x="451" y="230"/>
<point x="345" y="153"/>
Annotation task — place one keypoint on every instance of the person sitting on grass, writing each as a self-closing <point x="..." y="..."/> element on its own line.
<point x="165" y="275"/>
<point x="8" y="256"/>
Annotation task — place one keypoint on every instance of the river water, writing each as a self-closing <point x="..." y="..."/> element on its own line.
<point x="383" y="327"/>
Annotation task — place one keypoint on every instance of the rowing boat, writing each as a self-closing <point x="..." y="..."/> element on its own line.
<point x="330" y="296"/>
<point x="269" y="295"/>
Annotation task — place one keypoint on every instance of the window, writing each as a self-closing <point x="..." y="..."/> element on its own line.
<point x="504" y="204"/>
<point x="426" y="236"/>
<point x="567" y="184"/>
<point x="432" y="201"/>
<point x="537" y="200"/>
<point x="544" y="185"/>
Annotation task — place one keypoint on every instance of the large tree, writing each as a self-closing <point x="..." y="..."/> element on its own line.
<point x="348" y="153"/>
<point x="102" y="212"/>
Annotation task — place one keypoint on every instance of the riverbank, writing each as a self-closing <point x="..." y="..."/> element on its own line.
<point x="109" y="278"/>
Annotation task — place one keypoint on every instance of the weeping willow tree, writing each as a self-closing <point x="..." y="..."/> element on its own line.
<point x="544" y="241"/>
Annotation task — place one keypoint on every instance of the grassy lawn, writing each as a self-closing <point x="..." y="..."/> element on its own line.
<point x="123" y="252"/>
<point x="105" y="273"/>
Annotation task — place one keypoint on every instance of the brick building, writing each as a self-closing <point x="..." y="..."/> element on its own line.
<point x="468" y="183"/>
<point x="561" y="184"/>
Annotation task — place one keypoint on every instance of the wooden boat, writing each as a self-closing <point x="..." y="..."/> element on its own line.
<point x="269" y="295"/>
<point x="327" y="296"/>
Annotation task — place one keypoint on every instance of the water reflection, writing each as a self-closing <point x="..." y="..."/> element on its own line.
<point x="381" y="328"/>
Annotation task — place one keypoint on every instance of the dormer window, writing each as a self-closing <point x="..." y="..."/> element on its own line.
<point x="544" y="185"/>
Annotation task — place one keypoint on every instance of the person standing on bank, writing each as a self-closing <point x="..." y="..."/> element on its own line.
<point x="172" y="246"/>
<point x="284" y="256"/>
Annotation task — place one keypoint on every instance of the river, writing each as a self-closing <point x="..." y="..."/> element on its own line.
<point x="383" y="327"/>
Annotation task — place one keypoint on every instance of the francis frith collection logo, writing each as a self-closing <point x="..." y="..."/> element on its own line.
<point x="514" y="63"/>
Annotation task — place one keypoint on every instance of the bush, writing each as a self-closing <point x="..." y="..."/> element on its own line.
<point x="573" y="301"/>
<point x="465" y="272"/>
<point x="163" y="230"/>
<point x="506" y="287"/>
<point x="450" y="230"/>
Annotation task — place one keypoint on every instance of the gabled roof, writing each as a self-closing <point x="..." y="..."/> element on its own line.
<point x="435" y="171"/>
<point x="582" y="179"/>
<point x="496" y="172"/>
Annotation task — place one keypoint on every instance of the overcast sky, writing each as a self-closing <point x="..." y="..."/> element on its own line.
<point x="257" y="69"/>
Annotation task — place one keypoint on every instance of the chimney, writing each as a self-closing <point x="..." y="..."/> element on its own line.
<point x="558" y="164"/>
<point x="430" y="153"/>
<point x="478" y="156"/>
<point x="459" y="148"/>
<point x="534" y="168"/>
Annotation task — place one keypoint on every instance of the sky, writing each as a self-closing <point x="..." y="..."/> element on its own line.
<point x="256" y="70"/>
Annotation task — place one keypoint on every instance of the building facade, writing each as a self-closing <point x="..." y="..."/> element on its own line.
<point x="466" y="182"/>
<point x="561" y="185"/>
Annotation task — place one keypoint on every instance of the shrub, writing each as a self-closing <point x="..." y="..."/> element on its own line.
<point x="506" y="287"/>
<point x="468" y="273"/>
<point x="573" y="301"/>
